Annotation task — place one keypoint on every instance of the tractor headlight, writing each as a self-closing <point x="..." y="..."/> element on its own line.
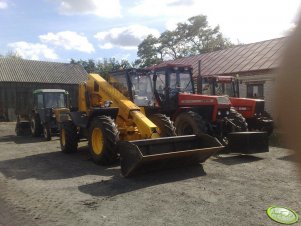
<point x="219" y="113"/>
<point x="227" y="112"/>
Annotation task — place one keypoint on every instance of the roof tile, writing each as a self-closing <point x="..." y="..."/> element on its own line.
<point x="255" y="56"/>
<point x="19" y="70"/>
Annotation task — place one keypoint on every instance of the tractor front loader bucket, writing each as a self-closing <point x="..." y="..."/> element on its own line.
<point x="153" y="154"/>
<point x="248" y="142"/>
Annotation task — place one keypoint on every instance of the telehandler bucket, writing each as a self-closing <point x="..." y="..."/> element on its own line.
<point x="153" y="154"/>
<point x="248" y="142"/>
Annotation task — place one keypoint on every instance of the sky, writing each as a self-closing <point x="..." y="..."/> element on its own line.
<point x="58" y="30"/>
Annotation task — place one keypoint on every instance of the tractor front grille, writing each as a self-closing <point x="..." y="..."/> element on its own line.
<point x="224" y="112"/>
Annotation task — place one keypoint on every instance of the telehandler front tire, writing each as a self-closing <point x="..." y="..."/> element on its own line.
<point x="103" y="137"/>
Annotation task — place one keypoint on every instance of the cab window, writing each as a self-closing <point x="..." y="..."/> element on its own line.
<point x="40" y="102"/>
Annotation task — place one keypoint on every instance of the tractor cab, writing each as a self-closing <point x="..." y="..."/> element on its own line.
<point x="169" y="81"/>
<point x="50" y="99"/>
<point x="220" y="85"/>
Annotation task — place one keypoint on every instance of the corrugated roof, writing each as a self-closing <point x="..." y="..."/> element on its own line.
<point x="19" y="70"/>
<point x="243" y="58"/>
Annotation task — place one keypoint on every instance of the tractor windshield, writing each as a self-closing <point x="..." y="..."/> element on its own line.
<point x="213" y="86"/>
<point x="142" y="89"/>
<point x="55" y="100"/>
<point x="224" y="88"/>
<point x="182" y="83"/>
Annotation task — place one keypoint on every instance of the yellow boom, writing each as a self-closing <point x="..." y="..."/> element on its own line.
<point x="131" y="122"/>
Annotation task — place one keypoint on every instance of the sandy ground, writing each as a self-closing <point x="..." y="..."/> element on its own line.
<point x="39" y="185"/>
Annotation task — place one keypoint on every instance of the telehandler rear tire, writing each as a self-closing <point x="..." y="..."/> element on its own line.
<point x="103" y="137"/>
<point x="164" y="124"/>
<point x="188" y="123"/>
<point x="68" y="137"/>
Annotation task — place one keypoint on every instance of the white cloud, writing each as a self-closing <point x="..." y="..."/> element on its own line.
<point x="248" y="21"/>
<point x="3" y="4"/>
<point x="33" y="51"/>
<point x="124" y="37"/>
<point x="68" y="40"/>
<point x="107" y="9"/>
<point x="166" y="8"/>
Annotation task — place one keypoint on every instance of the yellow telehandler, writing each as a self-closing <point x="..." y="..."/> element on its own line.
<point x="117" y="128"/>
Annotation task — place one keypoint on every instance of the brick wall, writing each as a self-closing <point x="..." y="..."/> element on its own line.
<point x="268" y="81"/>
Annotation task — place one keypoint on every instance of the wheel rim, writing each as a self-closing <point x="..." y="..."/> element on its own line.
<point x="97" y="141"/>
<point x="63" y="137"/>
<point x="32" y="126"/>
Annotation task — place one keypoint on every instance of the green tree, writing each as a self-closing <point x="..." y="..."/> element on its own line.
<point x="102" y="67"/>
<point x="11" y="54"/>
<point x="149" y="51"/>
<point x="192" y="37"/>
<point x="200" y="38"/>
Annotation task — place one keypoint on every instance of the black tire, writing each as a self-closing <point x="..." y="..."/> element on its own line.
<point x="18" y="130"/>
<point x="46" y="132"/>
<point x="188" y="123"/>
<point x="165" y="125"/>
<point x="110" y="136"/>
<point x="35" y="126"/>
<point x="265" y="123"/>
<point x="238" y="120"/>
<point x="68" y="137"/>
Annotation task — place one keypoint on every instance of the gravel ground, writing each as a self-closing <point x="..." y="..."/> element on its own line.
<point x="39" y="185"/>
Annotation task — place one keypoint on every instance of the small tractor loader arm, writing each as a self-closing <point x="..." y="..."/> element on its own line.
<point x="114" y="125"/>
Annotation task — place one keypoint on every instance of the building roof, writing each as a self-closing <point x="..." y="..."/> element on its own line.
<point x="19" y="70"/>
<point x="264" y="55"/>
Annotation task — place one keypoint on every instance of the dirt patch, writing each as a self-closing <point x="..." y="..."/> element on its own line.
<point x="40" y="185"/>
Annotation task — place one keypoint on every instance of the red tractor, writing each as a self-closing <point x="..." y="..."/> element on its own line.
<point x="251" y="109"/>
<point x="169" y="89"/>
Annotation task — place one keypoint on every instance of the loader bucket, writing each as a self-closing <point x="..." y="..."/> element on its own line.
<point x="248" y="142"/>
<point x="153" y="154"/>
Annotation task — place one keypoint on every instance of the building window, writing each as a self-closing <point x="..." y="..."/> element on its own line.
<point x="255" y="91"/>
